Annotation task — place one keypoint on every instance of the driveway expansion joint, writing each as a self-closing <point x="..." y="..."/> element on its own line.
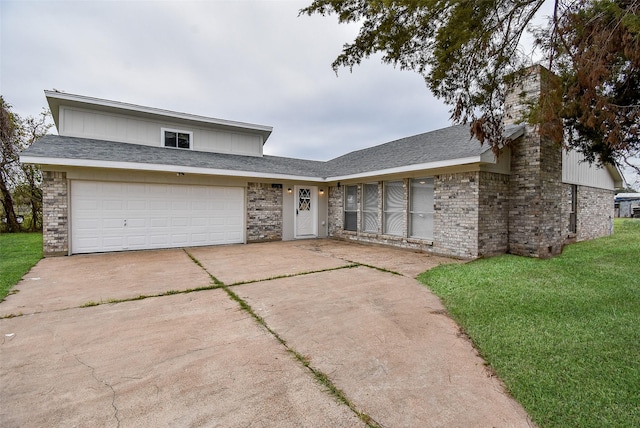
<point x="320" y="377"/>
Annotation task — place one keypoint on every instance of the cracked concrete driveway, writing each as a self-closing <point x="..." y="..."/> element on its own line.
<point x="304" y="333"/>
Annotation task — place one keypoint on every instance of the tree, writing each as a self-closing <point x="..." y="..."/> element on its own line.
<point x="33" y="129"/>
<point x="469" y="54"/>
<point x="20" y="184"/>
<point x="9" y="141"/>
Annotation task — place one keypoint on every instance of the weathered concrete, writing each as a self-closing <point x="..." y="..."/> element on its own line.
<point x="67" y="282"/>
<point x="198" y="359"/>
<point x="386" y="342"/>
<point x="184" y="360"/>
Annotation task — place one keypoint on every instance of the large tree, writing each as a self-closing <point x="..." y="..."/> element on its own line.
<point x="470" y="53"/>
<point x="20" y="183"/>
<point x="9" y="165"/>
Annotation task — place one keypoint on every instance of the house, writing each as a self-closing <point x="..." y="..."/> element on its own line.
<point x="125" y="177"/>
<point x="627" y="205"/>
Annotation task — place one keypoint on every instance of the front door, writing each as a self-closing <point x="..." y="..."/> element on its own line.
<point x="306" y="202"/>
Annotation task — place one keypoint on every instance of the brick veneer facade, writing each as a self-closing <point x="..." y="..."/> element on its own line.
<point x="481" y="213"/>
<point x="264" y="212"/>
<point x="595" y="212"/>
<point x="493" y="214"/>
<point x="535" y="212"/>
<point x="455" y="220"/>
<point x="55" y="214"/>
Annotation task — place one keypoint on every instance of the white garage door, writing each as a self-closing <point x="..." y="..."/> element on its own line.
<point x="109" y="216"/>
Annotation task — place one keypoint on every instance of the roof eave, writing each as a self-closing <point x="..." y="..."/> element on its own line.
<point x="410" y="168"/>
<point x="151" y="167"/>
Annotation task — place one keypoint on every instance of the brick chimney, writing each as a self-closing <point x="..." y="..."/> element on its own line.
<point x="535" y="209"/>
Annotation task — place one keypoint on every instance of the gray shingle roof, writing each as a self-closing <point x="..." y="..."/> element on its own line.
<point x="54" y="146"/>
<point x="444" y="144"/>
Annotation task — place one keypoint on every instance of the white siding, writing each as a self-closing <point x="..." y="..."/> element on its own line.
<point x="126" y="129"/>
<point x="577" y="171"/>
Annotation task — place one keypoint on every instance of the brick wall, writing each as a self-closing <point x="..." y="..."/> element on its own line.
<point x="493" y="216"/>
<point x="535" y="214"/>
<point x="335" y="210"/>
<point x="456" y="214"/>
<point x="595" y="213"/>
<point x="55" y="214"/>
<point x="264" y="212"/>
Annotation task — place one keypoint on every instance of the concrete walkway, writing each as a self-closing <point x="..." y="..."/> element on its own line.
<point x="303" y="333"/>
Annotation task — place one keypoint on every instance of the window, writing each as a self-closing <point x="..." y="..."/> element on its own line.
<point x="573" y="224"/>
<point x="351" y="208"/>
<point x="393" y="208"/>
<point x="370" y="208"/>
<point x="177" y="139"/>
<point x="421" y="208"/>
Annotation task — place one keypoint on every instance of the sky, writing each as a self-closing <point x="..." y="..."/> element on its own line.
<point x="248" y="61"/>
<point x="254" y="61"/>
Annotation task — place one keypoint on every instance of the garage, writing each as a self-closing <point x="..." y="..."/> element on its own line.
<point x="114" y="216"/>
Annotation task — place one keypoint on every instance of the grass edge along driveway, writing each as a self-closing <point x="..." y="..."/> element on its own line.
<point x="19" y="252"/>
<point x="562" y="333"/>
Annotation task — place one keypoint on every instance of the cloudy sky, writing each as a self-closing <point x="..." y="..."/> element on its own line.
<point x="250" y="61"/>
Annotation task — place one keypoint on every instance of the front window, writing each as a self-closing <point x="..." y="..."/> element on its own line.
<point x="421" y="208"/>
<point x="573" y="223"/>
<point x="177" y="139"/>
<point x="351" y="208"/>
<point x="370" y="208"/>
<point x="393" y="208"/>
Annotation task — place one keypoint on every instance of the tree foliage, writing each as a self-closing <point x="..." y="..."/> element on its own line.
<point x="470" y="53"/>
<point x="20" y="185"/>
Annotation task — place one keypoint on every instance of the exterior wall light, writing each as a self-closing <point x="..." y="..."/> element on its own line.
<point x="322" y="191"/>
<point x="289" y="190"/>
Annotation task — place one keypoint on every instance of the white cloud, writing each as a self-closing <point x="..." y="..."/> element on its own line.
<point x="251" y="61"/>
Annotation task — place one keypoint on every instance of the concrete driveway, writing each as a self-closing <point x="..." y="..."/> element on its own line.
<point x="304" y="333"/>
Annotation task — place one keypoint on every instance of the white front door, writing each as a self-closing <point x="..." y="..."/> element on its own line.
<point x="306" y="206"/>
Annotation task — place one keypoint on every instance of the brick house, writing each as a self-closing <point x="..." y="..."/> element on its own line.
<point x="124" y="177"/>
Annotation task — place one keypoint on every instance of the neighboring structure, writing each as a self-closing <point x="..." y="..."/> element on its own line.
<point x="124" y="177"/>
<point x="627" y="205"/>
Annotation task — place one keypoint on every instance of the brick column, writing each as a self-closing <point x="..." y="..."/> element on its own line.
<point x="55" y="214"/>
<point x="535" y="211"/>
<point x="264" y="212"/>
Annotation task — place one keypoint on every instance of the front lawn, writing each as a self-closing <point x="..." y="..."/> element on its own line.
<point x="563" y="333"/>
<point x="18" y="253"/>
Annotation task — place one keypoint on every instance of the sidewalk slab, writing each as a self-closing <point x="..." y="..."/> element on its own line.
<point x="384" y="340"/>
<point x="183" y="360"/>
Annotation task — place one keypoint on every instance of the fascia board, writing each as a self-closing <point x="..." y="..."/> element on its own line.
<point x="161" y="168"/>
<point x="409" y="168"/>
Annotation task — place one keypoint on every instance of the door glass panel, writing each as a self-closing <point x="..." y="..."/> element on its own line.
<point x="304" y="199"/>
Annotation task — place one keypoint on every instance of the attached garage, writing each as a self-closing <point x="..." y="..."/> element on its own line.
<point x="115" y="216"/>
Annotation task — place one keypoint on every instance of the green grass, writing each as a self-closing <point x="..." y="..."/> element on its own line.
<point x="18" y="253"/>
<point x="563" y="333"/>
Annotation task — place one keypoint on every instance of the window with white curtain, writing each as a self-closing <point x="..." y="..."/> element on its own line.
<point x="421" y="208"/>
<point x="370" y="208"/>
<point x="351" y="208"/>
<point x="393" y="208"/>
